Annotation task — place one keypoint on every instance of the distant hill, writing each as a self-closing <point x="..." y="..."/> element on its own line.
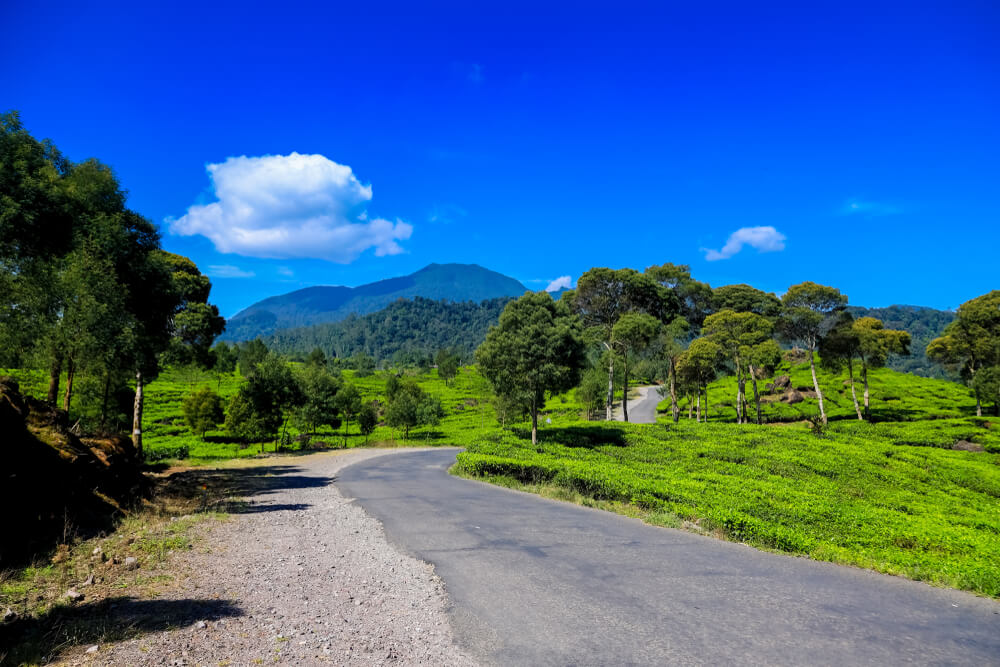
<point x="325" y="304"/>
<point x="923" y="324"/>
<point x="407" y="328"/>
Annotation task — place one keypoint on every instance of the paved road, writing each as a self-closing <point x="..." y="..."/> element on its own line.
<point x="539" y="582"/>
<point x="641" y="410"/>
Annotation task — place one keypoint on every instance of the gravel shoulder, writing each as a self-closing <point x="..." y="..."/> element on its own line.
<point x="302" y="576"/>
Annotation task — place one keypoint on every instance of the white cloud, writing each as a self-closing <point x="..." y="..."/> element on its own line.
<point x="562" y="282"/>
<point x="290" y="206"/>
<point x="285" y="271"/>
<point x="228" y="271"/>
<point x="868" y="208"/>
<point x="764" y="239"/>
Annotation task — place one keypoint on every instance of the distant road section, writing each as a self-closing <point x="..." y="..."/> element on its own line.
<point x="539" y="582"/>
<point x="641" y="410"/>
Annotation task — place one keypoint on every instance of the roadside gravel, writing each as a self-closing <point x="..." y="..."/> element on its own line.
<point x="302" y="577"/>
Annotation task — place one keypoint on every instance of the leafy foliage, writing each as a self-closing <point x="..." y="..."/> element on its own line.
<point x="203" y="411"/>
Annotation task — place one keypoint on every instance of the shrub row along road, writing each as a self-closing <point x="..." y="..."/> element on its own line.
<point x="534" y="581"/>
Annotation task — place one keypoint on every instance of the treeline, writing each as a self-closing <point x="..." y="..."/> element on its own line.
<point x="686" y="333"/>
<point x="88" y="294"/>
<point x="401" y="333"/>
<point x="923" y="325"/>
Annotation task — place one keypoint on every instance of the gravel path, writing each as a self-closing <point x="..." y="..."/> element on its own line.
<point x="302" y="577"/>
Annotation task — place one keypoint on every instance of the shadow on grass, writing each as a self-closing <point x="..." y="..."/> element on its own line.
<point x="577" y="436"/>
<point x="39" y="639"/>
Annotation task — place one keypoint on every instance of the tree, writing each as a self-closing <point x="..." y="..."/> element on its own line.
<point x="319" y="398"/>
<point x="875" y="345"/>
<point x="696" y="367"/>
<point x="363" y="365"/>
<point x="196" y="323"/>
<point x="367" y="419"/>
<point x="603" y="295"/>
<point x="259" y="408"/>
<point x="672" y="345"/>
<point x="447" y="365"/>
<point x="536" y="347"/>
<point x="741" y="336"/>
<point x="226" y="358"/>
<point x="348" y="404"/>
<point x="590" y="393"/>
<point x="746" y="299"/>
<point x="807" y="306"/>
<point x="632" y="332"/>
<point x="694" y="298"/>
<point x="251" y="353"/>
<point x="316" y="358"/>
<point x="410" y="406"/>
<point x="972" y="341"/>
<point x="839" y="347"/>
<point x="203" y="411"/>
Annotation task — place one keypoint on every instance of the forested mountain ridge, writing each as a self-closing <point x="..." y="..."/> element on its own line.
<point x="328" y="304"/>
<point x="923" y="324"/>
<point x="417" y="326"/>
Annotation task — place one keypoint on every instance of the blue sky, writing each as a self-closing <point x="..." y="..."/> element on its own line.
<point x="536" y="139"/>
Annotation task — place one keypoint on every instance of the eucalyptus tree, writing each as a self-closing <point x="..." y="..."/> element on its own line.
<point x="746" y="299"/>
<point x="972" y="341"/>
<point x="603" y="295"/>
<point x="631" y="333"/>
<point x="536" y="347"/>
<point x="696" y="368"/>
<point x="673" y="341"/>
<point x="694" y="298"/>
<point x="875" y="344"/>
<point x="806" y="308"/>
<point x="740" y="336"/>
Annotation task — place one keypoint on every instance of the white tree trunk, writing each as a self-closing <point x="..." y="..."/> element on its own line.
<point x="137" y="415"/>
<point x="819" y="393"/>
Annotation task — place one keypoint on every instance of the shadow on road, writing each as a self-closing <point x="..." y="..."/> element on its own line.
<point x="224" y="490"/>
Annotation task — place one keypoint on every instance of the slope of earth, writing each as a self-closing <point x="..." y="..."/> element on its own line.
<point x="313" y="305"/>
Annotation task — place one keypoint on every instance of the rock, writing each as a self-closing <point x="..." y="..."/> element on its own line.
<point x="73" y="595"/>
<point x="93" y="649"/>
<point x="796" y="355"/>
<point x="793" y="397"/>
<point x="9" y="615"/>
<point x="782" y="382"/>
<point x="201" y="625"/>
<point x="966" y="446"/>
<point x="89" y="581"/>
<point x="131" y="563"/>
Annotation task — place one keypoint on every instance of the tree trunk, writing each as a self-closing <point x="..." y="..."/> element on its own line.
<point x="534" y="422"/>
<point x="690" y="405"/>
<point x="625" y="387"/>
<point x="104" y="401"/>
<point x="756" y="395"/>
<point x="706" y="403"/>
<point x="137" y="415"/>
<point x="608" y="416"/>
<point x="55" y="370"/>
<point x="698" y="409"/>
<point x="864" y="377"/>
<point x="854" y="395"/>
<point x="819" y="393"/>
<point x="674" y="408"/>
<point x="70" y="374"/>
<point x="739" y="398"/>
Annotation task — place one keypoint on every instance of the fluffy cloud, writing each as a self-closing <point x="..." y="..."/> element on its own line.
<point x="290" y="206"/>
<point x="764" y="239"/>
<point x="228" y="271"/>
<point x="562" y="282"/>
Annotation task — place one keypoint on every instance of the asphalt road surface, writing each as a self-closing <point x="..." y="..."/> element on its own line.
<point x="540" y="582"/>
<point x="641" y="410"/>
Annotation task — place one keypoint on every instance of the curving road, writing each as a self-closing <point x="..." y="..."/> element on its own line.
<point x="641" y="410"/>
<point x="539" y="582"/>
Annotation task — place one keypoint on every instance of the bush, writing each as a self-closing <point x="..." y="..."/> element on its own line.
<point x="203" y="411"/>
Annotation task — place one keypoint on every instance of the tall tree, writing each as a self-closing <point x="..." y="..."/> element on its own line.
<point x="631" y="333"/>
<point x="537" y="347"/>
<point x="972" y="341"/>
<point x="875" y="344"/>
<point x="740" y="335"/>
<point x="603" y="295"/>
<point x="839" y="348"/>
<point x="447" y="365"/>
<point x="673" y="342"/>
<point x="746" y="299"/>
<point x="696" y="367"/>
<point x="694" y="298"/>
<point x="807" y="306"/>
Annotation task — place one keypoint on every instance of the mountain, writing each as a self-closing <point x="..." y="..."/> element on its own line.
<point x="405" y="330"/>
<point x="923" y="324"/>
<point x="324" y="304"/>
